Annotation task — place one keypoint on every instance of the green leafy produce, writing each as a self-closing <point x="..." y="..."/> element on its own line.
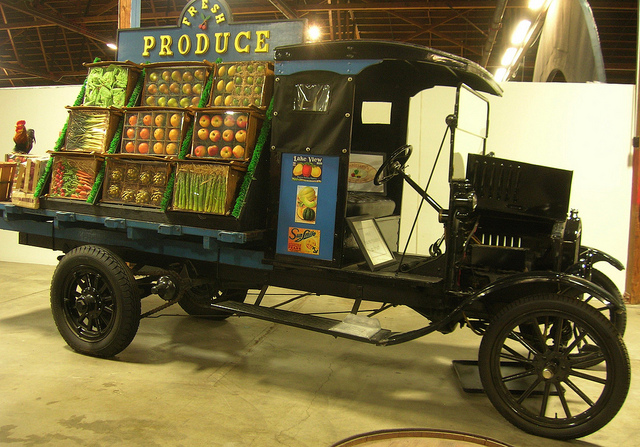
<point x="106" y="86"/>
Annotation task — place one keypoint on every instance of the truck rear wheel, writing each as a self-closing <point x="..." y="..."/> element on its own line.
<point x="94" y="301"/>
<point x="196" y="301"/>
<point x="554" y="366"/>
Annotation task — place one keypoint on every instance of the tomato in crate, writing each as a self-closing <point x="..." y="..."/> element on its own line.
<point x="73" y="175"/>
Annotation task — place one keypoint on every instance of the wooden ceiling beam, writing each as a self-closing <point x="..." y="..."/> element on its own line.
<point x="56" y="19"/>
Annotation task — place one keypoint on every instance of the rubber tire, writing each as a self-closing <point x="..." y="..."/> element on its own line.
<point x="618" y="320"/>
<point x="610" y="400"/>
<point x="196" y="301"/>
<point x="125" y="317"/>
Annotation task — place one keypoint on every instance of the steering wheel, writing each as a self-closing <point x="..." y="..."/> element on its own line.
<point x="393" y="165"/>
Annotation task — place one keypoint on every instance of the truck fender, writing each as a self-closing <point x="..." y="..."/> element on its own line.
<point x="527" y="283"/>
<point x="589" y="256"/>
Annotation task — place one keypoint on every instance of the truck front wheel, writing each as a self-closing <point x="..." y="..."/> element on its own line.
<point x="94" y="301"/>
<point x="554" y="366"/>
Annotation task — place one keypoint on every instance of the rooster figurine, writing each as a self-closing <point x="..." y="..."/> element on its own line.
<point x="24" y="138"/>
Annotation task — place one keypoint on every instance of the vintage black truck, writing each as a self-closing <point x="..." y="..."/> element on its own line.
<point x="321" y="215"/>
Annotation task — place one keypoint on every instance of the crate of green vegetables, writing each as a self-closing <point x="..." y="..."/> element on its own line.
<point x="136" y="181"/>
<point x="110" y="84"/>
<point x="206" y="187"/>
<point x="90" y="129"/>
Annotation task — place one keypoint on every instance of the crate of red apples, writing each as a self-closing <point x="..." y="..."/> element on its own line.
<point x="225" y="134"/>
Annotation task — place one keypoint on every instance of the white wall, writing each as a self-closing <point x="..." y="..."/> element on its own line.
<point x="586" y="128"/>
<point x="43" y="108"/>
<point x="583" y="127"/>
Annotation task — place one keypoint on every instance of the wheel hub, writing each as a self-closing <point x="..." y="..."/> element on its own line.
<point x="552" y="366"/>
<point x="88" y="303"/>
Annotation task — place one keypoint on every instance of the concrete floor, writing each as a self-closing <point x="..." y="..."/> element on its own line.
<point x="241" y="382"/>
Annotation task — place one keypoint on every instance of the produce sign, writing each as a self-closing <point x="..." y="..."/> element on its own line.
<point x="171" y="85"/>
<point x="135" y="182"/>
<point x="154" y="131"/>
<point x="110" y="84"/>
<point x="228" y="135"/>
<point x="206" y="188"/>
<point x="73" y="175"/>
<point x="243" y="85"/>
<point x="91" y="129"/>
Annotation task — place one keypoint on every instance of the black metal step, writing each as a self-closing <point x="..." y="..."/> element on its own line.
<point x="315" y="323"/>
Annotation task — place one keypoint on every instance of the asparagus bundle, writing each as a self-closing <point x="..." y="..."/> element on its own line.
<point x="201" y="190"/>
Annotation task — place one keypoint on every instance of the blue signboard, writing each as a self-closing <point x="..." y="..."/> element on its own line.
<point x="206" y="31"/>
<point x="307" y="214"/>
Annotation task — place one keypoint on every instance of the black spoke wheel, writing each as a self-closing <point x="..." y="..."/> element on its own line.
<point x="536" y="372"/>
<point x="94" y="301"/>
<point x="196" y="301"/>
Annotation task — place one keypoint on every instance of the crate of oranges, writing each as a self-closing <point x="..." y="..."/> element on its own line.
<point x="154" y="131"/>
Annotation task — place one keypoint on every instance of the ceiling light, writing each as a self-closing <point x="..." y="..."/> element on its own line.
<point x="509" y="56"/>
<point x="313" y="33"/>
<point x="520" y="33"/>
<point x="501" y="75"/>
<point x="113" y="46"/>
<point x="536" y="4"/>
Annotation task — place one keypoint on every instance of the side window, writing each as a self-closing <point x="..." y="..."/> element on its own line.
<point x="376" y="112"/>
<point x="311" y="97"/>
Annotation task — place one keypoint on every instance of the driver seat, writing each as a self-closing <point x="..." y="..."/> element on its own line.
<point x="368" y="203"/>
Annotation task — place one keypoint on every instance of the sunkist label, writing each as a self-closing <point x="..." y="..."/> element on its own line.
<point x="206" y="31"/>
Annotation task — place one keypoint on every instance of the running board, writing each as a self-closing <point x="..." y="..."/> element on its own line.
<point x="355" y="327"/>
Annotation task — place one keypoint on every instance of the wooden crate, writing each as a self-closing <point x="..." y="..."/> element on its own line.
<point x="243" y="84"/>
<point x="225" y="134"/>
<point x="7" y="170"/>
<point x="110" y="84"/>
<point x="137" y="181"/>
<point x="170" y="84"/>
<point x="91" y="129"/>
<point x="154" y="130"/>
<point x="28" y="173"/>
<point x="73" y="175"/>
<point x="206" y="187"/>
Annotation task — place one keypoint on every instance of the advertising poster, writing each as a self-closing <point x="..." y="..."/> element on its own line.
<point x="306" y="218"/>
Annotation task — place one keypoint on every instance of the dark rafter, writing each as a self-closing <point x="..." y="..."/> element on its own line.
<point x="45" y="42"/>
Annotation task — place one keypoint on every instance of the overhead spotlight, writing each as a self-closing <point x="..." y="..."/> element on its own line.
<point x="509" y="56"/>
<point x="500" y="75"/>
<point x="313" y="33"/>
<point x="536" y="4"/>
<point x="520" y="33"/>
<point x="113" y="46"/>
